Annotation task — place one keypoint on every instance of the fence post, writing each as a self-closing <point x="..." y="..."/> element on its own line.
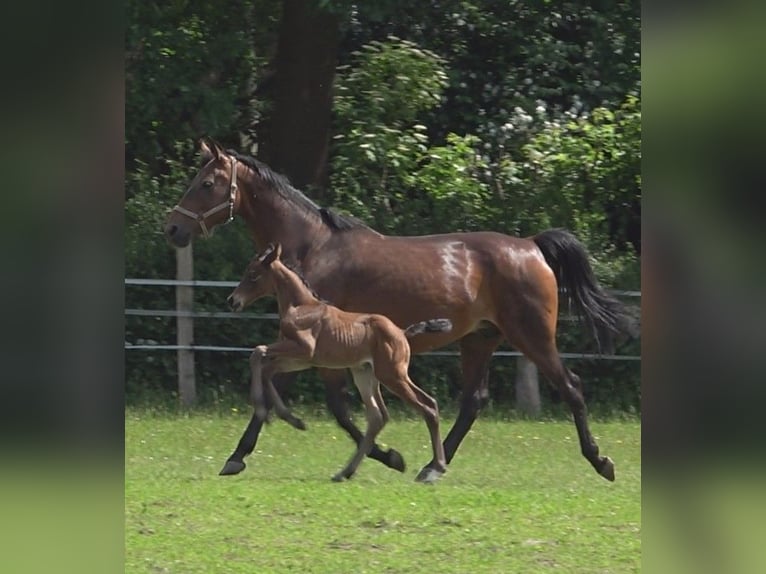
<point x="527" y="387"/>
<point x="187" y="391"/>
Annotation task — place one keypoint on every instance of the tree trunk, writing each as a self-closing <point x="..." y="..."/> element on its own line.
<point x="296" y="138"/>
<point x="527" y="387"/>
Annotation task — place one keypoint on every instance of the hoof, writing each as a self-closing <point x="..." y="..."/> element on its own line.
<point x="340" y="477"/>
<point x="395" y="460"/>
<point x="607" y="469"/>
<point x="428" y="475"/>
<point x="298" y="423"/>
<point x="232" y="467"/>
<point x="291" y="419"/>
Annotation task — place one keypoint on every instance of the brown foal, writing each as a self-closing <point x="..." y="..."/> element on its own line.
<point x="313" y="333"/>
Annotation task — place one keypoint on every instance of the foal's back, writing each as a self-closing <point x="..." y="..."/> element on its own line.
<point x="345" y="339"/>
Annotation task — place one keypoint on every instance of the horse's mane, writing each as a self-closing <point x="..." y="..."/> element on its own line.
<point x="281" y="185"/>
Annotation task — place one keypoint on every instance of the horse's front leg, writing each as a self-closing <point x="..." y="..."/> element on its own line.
<point x="246" y="445"/>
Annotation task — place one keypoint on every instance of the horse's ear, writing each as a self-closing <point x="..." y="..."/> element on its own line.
<point x="206" y="151"/>
<point x="210" y="149"/>
<point x="217" y="148"/>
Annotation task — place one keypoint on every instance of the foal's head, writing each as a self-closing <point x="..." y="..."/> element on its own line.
<point x="210" y="200"/>
<point x="257" y="281"/>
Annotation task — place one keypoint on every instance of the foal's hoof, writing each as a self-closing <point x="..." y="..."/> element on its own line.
<point x="395" y="460"/>
<point x="232" y="467"/>
<point x="607" y="469"/>
<point x="429" y="475"/>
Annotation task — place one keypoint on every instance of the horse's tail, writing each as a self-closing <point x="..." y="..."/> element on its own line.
<point x="605" y="315"/>
<point x="430" y="326"/>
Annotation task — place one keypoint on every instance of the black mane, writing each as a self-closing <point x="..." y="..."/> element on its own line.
<point x="281" y="185"/>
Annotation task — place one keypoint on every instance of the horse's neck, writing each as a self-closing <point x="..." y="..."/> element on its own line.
<point x="291" y="291"/>
<point x="271" y="218"/>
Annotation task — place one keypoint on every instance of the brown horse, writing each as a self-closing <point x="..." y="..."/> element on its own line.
<point x="313" y="333"/>
<point x="489" y="285"/>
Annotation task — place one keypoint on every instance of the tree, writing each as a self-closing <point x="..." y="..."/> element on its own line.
<point x="295" y="139"/>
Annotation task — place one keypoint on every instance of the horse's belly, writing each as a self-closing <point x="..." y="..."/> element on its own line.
<point x="341" y="359"/>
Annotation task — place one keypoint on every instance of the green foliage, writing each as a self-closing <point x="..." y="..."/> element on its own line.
<point x="190" y="68"/>
<point x="378" y="141"/>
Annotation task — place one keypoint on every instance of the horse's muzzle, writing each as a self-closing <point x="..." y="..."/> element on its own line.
<point x="234" y="303"/>
<point x="177" y="236"/>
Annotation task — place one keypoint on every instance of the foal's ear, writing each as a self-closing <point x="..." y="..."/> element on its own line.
<point x="273" y="253"/>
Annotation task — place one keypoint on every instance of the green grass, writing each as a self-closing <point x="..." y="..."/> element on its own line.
<point x="518" y="497"/>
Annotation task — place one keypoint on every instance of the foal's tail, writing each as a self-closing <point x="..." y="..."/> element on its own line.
<point x="605" y="315"/>
<point x="430" y="326"/>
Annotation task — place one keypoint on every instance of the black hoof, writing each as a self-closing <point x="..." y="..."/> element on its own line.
<point x="395" y="460"/>
<point x="607" y="469"/>
<point x="232" y="467"/>
<point x="298" y="423"/>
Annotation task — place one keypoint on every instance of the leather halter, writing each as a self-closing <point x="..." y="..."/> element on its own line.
<point x="201" y="217"/>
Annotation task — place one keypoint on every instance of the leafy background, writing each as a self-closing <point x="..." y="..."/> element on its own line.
<point x="440" y="116"/>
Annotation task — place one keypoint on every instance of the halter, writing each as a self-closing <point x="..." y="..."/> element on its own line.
<point x="229" y="203"/>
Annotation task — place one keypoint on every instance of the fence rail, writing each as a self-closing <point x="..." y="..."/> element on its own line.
<point x="274" y="316"/>
<point x="527" y="384"/>
<point x="204" y="283"/>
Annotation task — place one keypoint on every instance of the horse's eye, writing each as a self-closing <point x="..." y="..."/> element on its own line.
<point x="207" y="183"/>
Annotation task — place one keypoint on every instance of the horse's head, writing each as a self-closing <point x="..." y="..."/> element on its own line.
<point x="210" y="200"/>
<point x="257" y="281"/>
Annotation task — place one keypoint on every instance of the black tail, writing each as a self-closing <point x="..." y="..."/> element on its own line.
<point x="605" y="315"/>
<point x="430" y="326"/>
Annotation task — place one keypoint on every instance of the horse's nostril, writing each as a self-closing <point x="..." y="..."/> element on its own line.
<point x="171" y="230"/>
<point x="230" y="301"/>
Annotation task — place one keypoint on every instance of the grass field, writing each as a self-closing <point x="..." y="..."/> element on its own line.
<point x="517" y="498"/>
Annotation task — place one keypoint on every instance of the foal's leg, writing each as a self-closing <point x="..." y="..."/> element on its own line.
<point x="273" y="396"/>
<point x="395" y="378"/>
<point x="265" y="361"/>
<point x="368" y="389"/>
<point x="335" y="395"/>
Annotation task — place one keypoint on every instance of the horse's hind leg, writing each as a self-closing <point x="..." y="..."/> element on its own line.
<point x="369" y="390"/>
<point x="537" y="342"/>
<point x="335" y="381"/>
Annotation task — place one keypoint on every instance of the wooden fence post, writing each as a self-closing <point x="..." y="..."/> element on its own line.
<point x="187" y="391"/>
<point x="527" y="387"/>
